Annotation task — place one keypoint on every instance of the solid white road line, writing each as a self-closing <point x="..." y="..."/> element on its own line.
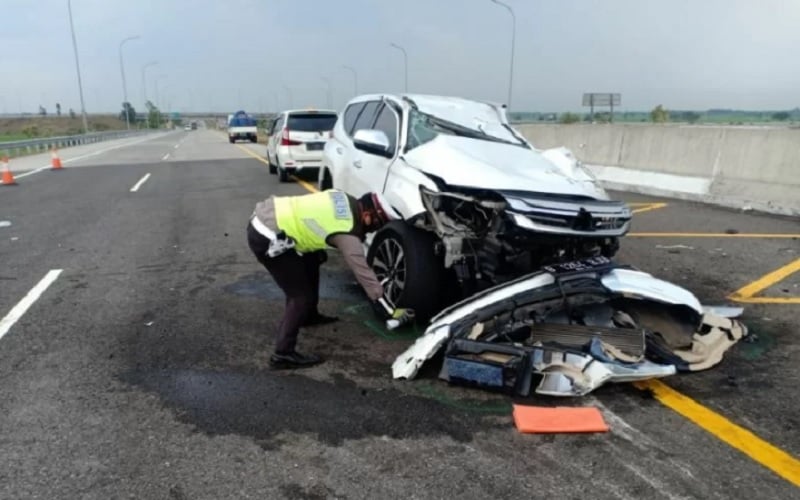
<point x="139" y="184"/>
<point x="32" y="172"/>
<point x="27" y="301"/>
<point x="95" y="153"/>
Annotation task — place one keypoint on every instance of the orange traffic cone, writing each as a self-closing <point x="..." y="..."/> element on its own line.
<point x="56" y="161"/>
<point x="8" y="177"/>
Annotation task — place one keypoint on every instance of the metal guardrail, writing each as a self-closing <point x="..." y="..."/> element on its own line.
<point x="30" y="146"/>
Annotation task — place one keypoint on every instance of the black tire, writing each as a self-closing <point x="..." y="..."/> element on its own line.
<point x="283" y="175"/>
<point x="231" y="140"/>
<point x="272" y="168"/>
<point x="326" y="182"/>
<point x="423" y="271"/>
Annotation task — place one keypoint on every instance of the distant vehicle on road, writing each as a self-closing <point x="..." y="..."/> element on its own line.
<point x="242" y="126"/>
<point x="187" y="127"/>
<point x="296" y="141"/>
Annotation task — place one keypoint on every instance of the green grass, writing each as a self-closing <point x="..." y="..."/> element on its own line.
<point x="13" y="137"/>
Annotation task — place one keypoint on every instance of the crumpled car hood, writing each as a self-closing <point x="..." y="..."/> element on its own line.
<point x="462" y="161"/>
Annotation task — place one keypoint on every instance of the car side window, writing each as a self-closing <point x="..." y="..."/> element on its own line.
<point x="367" y="116"/>
<point x="277" y="125"/>
<point x="387" y="122"/>
<point x="350" y="116"/>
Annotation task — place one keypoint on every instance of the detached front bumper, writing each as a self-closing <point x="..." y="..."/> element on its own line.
<point x="586" y="218"/>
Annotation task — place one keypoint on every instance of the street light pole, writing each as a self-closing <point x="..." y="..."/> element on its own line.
<point x="158" y="101"/>
<point x="355" y="79"/>
<point x="144" y="81"/>
<point x="77" y="67"/>
<point x="405" y="59"/>
<point x="124" y="84"/>
<point x="329" y="93"/>
<point x="513" y="41"/>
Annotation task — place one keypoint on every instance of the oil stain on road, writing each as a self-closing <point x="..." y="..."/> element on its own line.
<point x="266" y="405"/>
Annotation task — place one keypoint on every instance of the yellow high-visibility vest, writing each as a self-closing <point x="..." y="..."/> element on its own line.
<point x="311" y="218"/>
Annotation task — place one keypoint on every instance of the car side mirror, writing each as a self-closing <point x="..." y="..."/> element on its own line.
<point x="373" y="142"/>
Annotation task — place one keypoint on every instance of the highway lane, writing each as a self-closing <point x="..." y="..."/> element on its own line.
<point x="87" y="154"/>
<point x="141" y="371"/>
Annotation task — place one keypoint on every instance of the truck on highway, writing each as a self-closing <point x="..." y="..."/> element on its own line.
<point x="242" y="126"/>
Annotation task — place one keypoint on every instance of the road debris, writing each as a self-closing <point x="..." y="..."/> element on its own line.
<point x="539" y="420"/>
<point x="675" y="247"/>
<point x="570" y="328"/>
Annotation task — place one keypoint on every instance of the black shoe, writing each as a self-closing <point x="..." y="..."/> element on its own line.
<point x="293" y="360"/>
<point x="320" y="319"/>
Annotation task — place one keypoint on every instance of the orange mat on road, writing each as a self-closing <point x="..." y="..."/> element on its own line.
<point x="536" y="419"/>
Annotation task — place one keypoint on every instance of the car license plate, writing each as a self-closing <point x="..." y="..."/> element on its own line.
<point x="590" y="264"/>
<point x="315" y="146"/>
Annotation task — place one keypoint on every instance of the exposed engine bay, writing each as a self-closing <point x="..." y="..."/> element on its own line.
<point x="488" y="237"/>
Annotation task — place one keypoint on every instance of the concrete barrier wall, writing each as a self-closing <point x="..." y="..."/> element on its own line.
<point x="757" y="167"/>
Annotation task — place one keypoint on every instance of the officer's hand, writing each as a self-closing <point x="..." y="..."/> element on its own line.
<point x="400" y="316"/>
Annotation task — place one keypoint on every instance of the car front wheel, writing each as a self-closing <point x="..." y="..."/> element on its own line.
<point x="404" y="258"/>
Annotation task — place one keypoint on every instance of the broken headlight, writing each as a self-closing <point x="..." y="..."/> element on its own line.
<point x="460" y="213"/>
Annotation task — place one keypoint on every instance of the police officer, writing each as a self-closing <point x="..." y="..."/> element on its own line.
<point x="289" y="235"/>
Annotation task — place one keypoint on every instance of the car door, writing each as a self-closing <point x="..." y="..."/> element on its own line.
<point x="349" y="174"/>
<point x="371" y="169"/>
<point x="274" y="137"/>
<point x="337" y="149"/>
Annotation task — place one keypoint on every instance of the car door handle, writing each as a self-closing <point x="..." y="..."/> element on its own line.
<point x="357" y="163"/>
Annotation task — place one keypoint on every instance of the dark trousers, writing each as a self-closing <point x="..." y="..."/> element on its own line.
<point x="298" y="277"/>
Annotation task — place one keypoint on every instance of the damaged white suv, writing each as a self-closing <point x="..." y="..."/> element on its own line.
<point x="481" y="204"/>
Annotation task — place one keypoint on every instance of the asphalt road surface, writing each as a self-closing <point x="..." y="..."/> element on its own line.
<point x="139" y="368"/>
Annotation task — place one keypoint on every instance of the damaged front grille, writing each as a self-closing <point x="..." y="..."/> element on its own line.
<point x="569" y="217"/>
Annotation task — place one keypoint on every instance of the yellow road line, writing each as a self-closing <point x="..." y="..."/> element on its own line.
<point x="713" y="235"/>
<point x="254" y="155"/>
<point x="309" y="187"/>
<point x="306" y="185"/>
<point x="646" y="207"/>
<point x="747" y="293"/>
<point x="766" y="454"/>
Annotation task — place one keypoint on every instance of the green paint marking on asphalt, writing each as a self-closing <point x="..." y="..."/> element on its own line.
<point x="407" y="333"/>
<point x="491" y="407"/>
<point x="402" y="334"/>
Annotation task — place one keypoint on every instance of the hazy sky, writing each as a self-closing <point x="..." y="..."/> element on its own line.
<point x="224" y="55"/>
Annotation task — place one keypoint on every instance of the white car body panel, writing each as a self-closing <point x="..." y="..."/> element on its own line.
<point x="629" y="282"/>
<point x="402" y="188"/>
<point x="643" y="285"/>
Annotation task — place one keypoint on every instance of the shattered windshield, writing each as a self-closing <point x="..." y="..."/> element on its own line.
<point x="423" y="128"/>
